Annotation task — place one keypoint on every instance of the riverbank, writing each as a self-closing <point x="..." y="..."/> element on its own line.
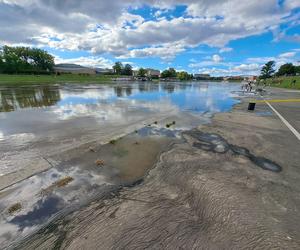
<point x="284" y="82"/>
<point x="232" y="183"/>
<point x="53" y="79"/>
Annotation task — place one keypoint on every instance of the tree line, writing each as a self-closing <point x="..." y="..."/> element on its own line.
<point x="121" y="69"/>
<point x="25" y="60"/>
<point x="288" y="69"/>
<point x="172" y="73"/>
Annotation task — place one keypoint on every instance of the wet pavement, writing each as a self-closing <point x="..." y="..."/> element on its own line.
<point x="41" y="121"/>
<point x="231" y="184"/>
<point x="90" y="162"/>
<point x="62" y="146"/>
<point x="92" y="171"/>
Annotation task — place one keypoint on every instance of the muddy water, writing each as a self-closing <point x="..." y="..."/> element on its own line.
<point x="67" y="127"/>
<point x="123" y="162"/>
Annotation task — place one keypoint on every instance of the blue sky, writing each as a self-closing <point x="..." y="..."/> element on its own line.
<point x="199" y="36"/>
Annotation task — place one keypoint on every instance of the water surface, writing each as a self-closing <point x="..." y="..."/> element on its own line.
<point x="64" y="125"/>
<point x="41" y="120"/>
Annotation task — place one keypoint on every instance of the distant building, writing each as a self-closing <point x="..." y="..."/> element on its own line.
<point x="135" y="73"/>
<point x="153" y="73"/>
<point x="250" y="78"/>
<point x="202" y="76"/>
<point x="123" y="78"/>
<point x="66" y="68"/>
<point x="101" y="71"/>
<point x="233" y="78"/>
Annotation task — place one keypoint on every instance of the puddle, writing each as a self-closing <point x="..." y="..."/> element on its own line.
<point x="264" y="113"/>
<point x="217" y="144"/>
<point x="33" y="119"/>
<point x="74" y="182"/>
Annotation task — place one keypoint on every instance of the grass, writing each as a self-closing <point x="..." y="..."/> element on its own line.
<point x="284" y="82"/>
<point x="168" y="125"/>
<point x="52" y="79"/>
<point x="58" y="184"/>
<point x="99" y="163"/>
<point x="14" y="208"/>
<point x="63" y="182"/>
<point x="113" y="142"/>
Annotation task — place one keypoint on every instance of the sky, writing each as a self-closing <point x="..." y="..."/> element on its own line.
<point x="216" y="37"/>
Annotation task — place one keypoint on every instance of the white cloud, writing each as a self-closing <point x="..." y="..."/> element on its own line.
<point x="242" y="69"/>
<point x="210" y="61"/>
<point x="217" y="58"/>
<point x="292" y="4"/>
<point x="74" y="25"/>
<point x="287" y="57"/>
<point x="225" y="49"/>
<point x="90" y="61"/>
<point x="287" y="54"/>
<point x="264" y="59"/>
<point x="164" y="52"/>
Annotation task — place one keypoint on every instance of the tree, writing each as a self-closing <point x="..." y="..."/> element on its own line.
<point x="165" y="74"/>
<point x="25" y="60"/>
<point x="142" y="72"/>
<point x="267" y="70"/>
<point x="297" y="69"/>
<point x="286" y="69"/>
<point x="171" y="72"/>
<point x="118" y="67"/>
<point x="182" y="75"/>
<point x="2" y="62"/>
<point x="127" y="70"/>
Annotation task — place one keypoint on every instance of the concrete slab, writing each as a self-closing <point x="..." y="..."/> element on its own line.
<point x="209" y="192"/>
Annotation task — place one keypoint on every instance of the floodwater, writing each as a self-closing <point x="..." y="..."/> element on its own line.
<point x="43" y="120"/>
<point x="68" y="126"/>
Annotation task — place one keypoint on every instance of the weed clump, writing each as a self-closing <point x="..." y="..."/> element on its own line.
<point x="60" y="183"/>
<point x="14" y="208"/>
<point x="92" y="149"/>
<point x="63" y="182"/>
<point x="113" y="142"/>
<point x="99" y="163"/>
<point x="168" y="125"/>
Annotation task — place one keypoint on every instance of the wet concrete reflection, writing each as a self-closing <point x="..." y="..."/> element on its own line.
<point x="217" y="144"/>
<point x="70" y="125"/>
<point x="42" y="211"/>
<point x="45" y="195"/>
<point x="12" y="98"/>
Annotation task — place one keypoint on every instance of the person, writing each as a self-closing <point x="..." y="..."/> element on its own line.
<point x="265" y="83"/>
<point x="249" y="87"/>
<point x="244" y="86"/>
<point x="293" y="83"/>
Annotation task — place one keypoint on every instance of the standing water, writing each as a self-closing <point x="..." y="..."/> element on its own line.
<point x="45" y="119"/>
<point x="44" y="129"/>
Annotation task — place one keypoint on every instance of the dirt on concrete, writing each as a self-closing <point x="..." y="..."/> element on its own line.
<point x="232" y="184"/>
